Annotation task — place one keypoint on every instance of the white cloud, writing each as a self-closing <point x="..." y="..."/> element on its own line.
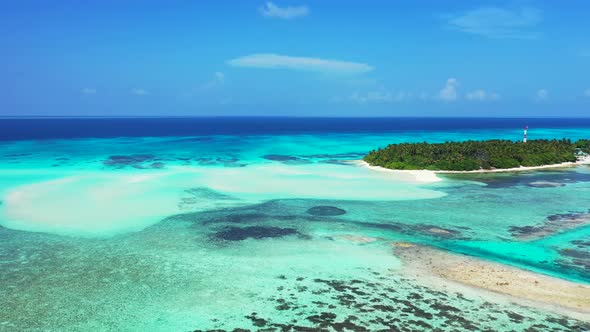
<point x="88" y="91"/>
<point x="482" y="95"/>
<point x="139" y="92"/>
<point x="449" y="92"/>
<point x="542" y="95"/>
<point x="587" y="93"/>
<point x="275" y="61"/>
<point x="286" y="13"/>
<point x="382" y="97"/>
<point x="494" y="22"/>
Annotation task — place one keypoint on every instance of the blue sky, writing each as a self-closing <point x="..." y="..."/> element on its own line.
<point x="328" y="58"/>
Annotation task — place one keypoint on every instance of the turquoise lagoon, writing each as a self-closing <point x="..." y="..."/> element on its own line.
<point x="219" y="232"/>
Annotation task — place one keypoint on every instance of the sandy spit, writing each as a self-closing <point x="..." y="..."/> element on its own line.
<point x="542" y="291"/>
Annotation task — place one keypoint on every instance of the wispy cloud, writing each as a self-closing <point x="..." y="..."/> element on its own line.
<point x="587" y="93"/>
<point x="482" y="95"/>
<point x="494" y="22"/>
<point x="88" y="91"/>
<point x="449" y="91"/>
<point x="209" y="91"/>
<point x="542" y="95"/>
<point x="287" y="13"/>
<point x="217" y="81"/>
<point x="380" y="97"/>
<point x="276" y="61"/>
<point x="139" y="92"/>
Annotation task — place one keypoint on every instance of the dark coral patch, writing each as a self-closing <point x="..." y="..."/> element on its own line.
<point x="375" y="306"/>
<point x="257" y="321"/>
<point x="323" y="319"/>
<point x="127" y="160"/>
<point x="337" y="162"/>
<point x="280" y="157"/>
<point x="581" y="243"/>
<point x="575" y="253"/>
<point x="325" y="210"/>
<point x="553" y="224"/>
<point x="253" y="232"/>
<point x="139" y="161"/>
<point x="580" y="259"/>
<point x="583" y="264"/>
<point x="207" y="193"/>
<point x="157" y="165"/>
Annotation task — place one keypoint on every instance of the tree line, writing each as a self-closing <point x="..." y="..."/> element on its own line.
<point x="475" y="155"/>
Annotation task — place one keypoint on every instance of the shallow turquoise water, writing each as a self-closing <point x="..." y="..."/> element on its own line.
<point x="187" y="233"/>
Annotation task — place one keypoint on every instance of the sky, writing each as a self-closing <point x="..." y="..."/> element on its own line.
<point x="295" y="58"/>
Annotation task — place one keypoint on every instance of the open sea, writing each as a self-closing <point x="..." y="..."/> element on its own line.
<point x="186" y="224"/>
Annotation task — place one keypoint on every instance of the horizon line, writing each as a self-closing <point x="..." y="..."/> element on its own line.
<point x="280" y="117"/>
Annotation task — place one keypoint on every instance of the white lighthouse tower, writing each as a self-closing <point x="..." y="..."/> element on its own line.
<point x="526" y="129"/>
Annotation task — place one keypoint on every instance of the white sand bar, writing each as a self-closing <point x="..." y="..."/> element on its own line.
<point x="543" y="291"/>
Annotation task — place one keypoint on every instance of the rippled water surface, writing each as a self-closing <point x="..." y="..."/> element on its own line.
<point x="267" y="230"/>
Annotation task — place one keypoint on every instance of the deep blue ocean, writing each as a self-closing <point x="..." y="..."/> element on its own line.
<point x="63" y="128"/>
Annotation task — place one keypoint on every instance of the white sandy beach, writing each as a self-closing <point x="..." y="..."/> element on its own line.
<point x="422" y="176"/>
<point x="427" y="176"/>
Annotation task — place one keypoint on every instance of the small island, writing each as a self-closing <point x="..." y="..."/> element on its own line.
<point x="478" y="155"/>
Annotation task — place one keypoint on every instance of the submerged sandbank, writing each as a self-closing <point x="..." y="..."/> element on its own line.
<point x="430" y="176"/>
<point x="105" y="203"/>
<point x="547" y="292"/>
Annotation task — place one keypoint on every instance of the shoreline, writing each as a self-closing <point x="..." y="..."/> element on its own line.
<point x="446" y="269"/>
<point x="583" y="161"/>
<point x="427" y="175"/>
<point x="422" y="176"/>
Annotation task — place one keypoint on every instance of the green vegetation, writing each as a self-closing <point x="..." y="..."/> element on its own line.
<point x="474" y="155"/>
<point x="583" y="145"/>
